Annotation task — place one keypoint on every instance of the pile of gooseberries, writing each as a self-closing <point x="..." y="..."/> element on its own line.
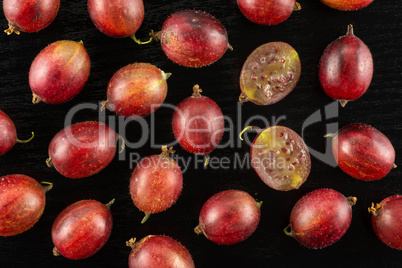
<point x="281" y="158"/>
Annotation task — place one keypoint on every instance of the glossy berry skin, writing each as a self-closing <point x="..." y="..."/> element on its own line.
<point x="137" y="90"/>
<point x="346" y="68"/>
<point x="280" y="157"/>
<point x="29" y="15"/>
<point x="156" y="183"/>
<point x="159" y="251"/>
<point x="193" y="38"/>
<point x="117" y="18"/>
<point x="81" y="229"/>
<point x="270" y="73"/>
<point x="82" y="149"/>
<point x="267" y="12"/>
<point x="229" y="217"/>
<point x="386" y="221"/>
<point x="321" y="218"/>
<point x="8" y="134"/>
<point x="363" y="152"/>
<point x="198" y="123"/>
<point x="347" y="5"/>
<point x="21" y="204"/>
<point x="59" y="72"/>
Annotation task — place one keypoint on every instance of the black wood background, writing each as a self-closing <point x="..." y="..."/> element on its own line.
<point x="309" y="31"/>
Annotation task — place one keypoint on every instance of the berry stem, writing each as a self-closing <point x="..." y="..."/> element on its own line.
<point x="48" y="186"/>
<point x="243" y="98"/>
<point x="11" y="29"/>
<point x="104" y="105"/>
<point x="257" y="129"/>
<point x="49" y="162"/>
<point x="206" y="160"/>
<point x="166" y="75"/>
<point x="165" y="151"/>
<point x="349" y="32"/>
<point x="123" y="143"/>
<point x="155" y="35"/>
<point x="297" y="7"/>
<point x="244" y="130"/>
<point x="197" y="91"/>
<point x="329" y="135"/>
<point x="352" y="200"/>
<point x="26" y="141"/>
<point x="374" y="209"/>
<point x="198" y="230"/>
<point x="343" y="102"/>
<point x="288" y="230"/>
<point x="131" y="243"/>
<point x="141" y="42"/>
<point x="35" y="99"/>
<point x="56" y="252"/>
<point x="259" y="204"/>
<point x="145" y="218"/>
<point x="108" y="205"/>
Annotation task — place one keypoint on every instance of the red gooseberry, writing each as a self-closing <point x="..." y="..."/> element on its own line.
<point x="158" y="251"/>
<point x="82" y="229"/>
<point x="229" y="217"/>
<point x="198" y="124"/>
<point x="156" y="183"/>
<point x="22" y="203"/>
<point x="29" y="15"/>
<point x="136" y="90"/>
<point x="59" y="72"/>
<point x="346" y="68"/>
<point x="320" y="218"/>
<point x="82" y="149"/>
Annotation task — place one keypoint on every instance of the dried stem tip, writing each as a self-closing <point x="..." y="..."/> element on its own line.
<point x="350" y="30"/>
<point x="198" y="230"/>
<point x="197" y="91"/>
<point x="352" y="200"/>
<point x="165" y="151"/>
<point x="374" y="209"/>
<point x="131" y="243"/>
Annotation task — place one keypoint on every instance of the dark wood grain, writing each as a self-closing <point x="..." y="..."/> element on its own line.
<point x="309" y="31"/>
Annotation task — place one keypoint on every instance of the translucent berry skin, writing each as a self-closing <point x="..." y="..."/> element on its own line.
<point x="59" y="72"/>
<point x="386" y="221"/>
<point x="346" y="68"/>
<point x="267" y="12"/>
<point x="117" y="18"/>
<point x="8" y="133"/>
<point x="198" y="124"/>
<point x="281" y="158"/>
<point x="156" y="184"/>
<point x="229" y="217"/>
<point x="363" y="152"/>
<point x="321" y="218"/>
<point x="347" y="5"/>
<point x="270" y="73"/>
<point x="159" y="251"/>
<point x="82" y="149"/>
<point x="193" y="38"/>
<point x="22" y="203"/>
<point x="137" y="90"/>
<point x="29" y="15"/>
<point x="81" y="229"/>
